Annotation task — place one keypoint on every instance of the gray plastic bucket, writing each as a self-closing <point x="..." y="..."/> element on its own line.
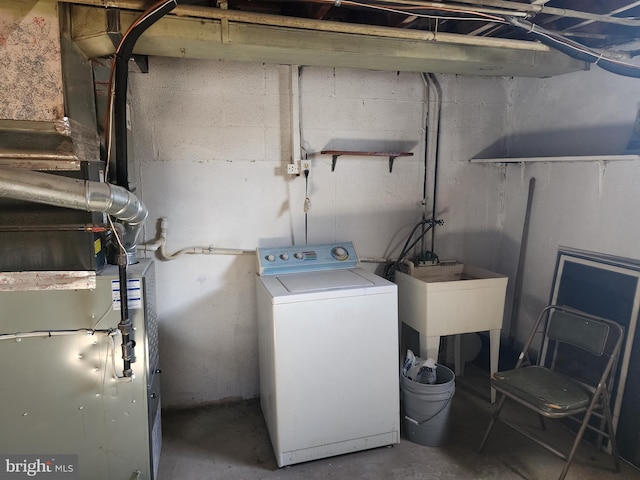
<point x="425" y="408"/>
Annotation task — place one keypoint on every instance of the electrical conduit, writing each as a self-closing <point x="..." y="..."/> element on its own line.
<point x="123" y="54"/>
<point x="577" y="50"/>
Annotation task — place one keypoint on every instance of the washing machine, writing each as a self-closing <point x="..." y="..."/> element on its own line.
<point x="328" y="352"/>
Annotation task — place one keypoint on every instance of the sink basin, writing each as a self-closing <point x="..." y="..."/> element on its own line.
<point x="451" y="299"/>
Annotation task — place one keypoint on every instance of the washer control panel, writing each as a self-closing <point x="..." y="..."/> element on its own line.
<point x="306" y="258"/>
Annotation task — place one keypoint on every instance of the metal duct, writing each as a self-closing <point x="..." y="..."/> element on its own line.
<point x="76" y="194"/>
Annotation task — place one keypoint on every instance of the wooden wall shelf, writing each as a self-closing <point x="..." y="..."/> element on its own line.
<point x="392" y="156"/>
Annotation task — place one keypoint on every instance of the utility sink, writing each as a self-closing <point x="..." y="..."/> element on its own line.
<point x="450" y="299"/>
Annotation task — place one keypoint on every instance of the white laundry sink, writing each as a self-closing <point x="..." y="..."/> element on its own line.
<point x="447" y="299"/>
<point x="451" y="299"/>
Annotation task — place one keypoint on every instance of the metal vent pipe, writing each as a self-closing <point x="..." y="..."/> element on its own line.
<point x="76" y="194"/>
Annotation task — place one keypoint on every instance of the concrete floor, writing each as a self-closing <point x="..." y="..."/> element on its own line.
<point x="232" y="442"/>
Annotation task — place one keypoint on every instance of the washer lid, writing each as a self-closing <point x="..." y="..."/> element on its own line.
<point x="326" y="284"/>
<point x="323" y="280"/>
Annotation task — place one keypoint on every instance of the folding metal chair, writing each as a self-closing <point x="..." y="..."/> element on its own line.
<point x="554" y="387"/>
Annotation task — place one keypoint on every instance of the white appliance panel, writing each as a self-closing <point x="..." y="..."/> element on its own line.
<point x="355" y="392"/>
<point x="328" y="363"/>
<point x="62" y="398"/>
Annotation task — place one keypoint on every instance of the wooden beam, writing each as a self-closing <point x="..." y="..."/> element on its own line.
<point x="294" y="41"/>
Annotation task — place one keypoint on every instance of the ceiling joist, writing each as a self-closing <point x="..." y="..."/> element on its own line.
<point x="204" y="32"/>
<point x="598" y="24"/>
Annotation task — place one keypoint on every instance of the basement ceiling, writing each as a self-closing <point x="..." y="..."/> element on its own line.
<point x="594" y="23"/>
<point x="479" y="37"/>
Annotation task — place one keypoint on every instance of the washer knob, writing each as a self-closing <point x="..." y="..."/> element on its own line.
<point x="340" y="253"/>
<point x="270" y="258"/>
<point x="299" y="255"/>
<point x="284" y="256"/>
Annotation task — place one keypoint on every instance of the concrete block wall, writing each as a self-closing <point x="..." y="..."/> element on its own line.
<point x="212" y="140"/>
<point x="585" y="205"/>
<point x="361" y="201"/>
<point x="475" y="114"/>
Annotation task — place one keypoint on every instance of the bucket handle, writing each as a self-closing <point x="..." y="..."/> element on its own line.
<point x="432" y="416"/>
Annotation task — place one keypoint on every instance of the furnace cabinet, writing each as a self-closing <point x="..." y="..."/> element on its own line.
<point x="60" y="394"/>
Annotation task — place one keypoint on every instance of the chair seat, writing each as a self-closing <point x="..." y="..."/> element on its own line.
<point x="543" y="389"/>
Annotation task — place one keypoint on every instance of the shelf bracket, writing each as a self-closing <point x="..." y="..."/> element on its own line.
<point x="392" y="156"/>
<point x="334" y="160"/>
<point x="391" y="159"/>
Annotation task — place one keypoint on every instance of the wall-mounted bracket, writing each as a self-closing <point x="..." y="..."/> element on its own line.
<point x="114" y="29"/>
<point x="392" y="156"/>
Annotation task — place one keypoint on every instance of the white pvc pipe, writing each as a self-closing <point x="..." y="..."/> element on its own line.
<point x="159" y="245"/>
<point x="374" y="260"/>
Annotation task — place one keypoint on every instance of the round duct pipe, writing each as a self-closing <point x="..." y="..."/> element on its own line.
<point x="76" y="194"/>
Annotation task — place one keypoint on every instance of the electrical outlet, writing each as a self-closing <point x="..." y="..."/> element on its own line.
<point x="305" y="165"/>
<point x="293" y="169"/>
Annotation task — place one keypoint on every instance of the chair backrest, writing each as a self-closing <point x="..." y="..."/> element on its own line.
<point x="569" y="332"/>
<point x="589" y="334"/>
